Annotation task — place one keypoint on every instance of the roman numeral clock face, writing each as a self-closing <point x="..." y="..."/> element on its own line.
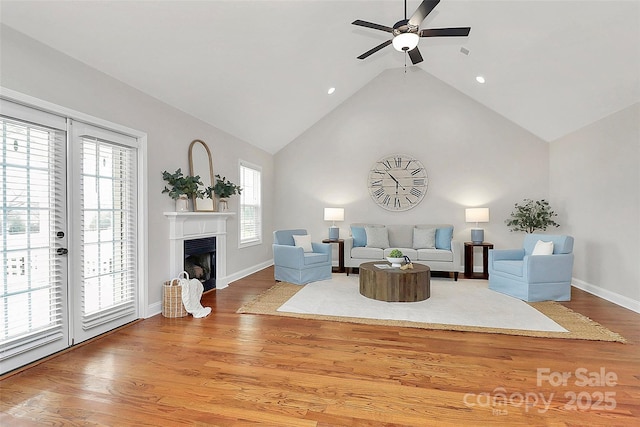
<point x="397" y="182"/>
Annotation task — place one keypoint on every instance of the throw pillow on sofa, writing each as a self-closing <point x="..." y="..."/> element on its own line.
<point x="424" y="238"/>
<point x="443" y="238"/>
<point x="377" y="237"/>
<point x="359" y="237"/>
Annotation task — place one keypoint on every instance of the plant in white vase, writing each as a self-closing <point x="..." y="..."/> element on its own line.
<point x="182" y="188"/>
<point x="395" y="258"/>
<point x="222" y="190"/>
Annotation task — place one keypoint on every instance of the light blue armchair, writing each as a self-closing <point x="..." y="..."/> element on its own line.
<point x="529" y="277"/>
<point x="293" y="265"/>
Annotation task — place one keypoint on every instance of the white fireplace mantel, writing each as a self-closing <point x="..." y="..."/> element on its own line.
<point x="197" y="225"/>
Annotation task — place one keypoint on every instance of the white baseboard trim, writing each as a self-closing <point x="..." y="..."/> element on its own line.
<point x="154" y="309"/>
<point x="613" y="297"/>
<point x="247" y="271"/>
<point x="221" y="283"/>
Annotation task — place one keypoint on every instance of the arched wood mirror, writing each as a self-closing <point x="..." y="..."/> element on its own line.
<point x="200" y="163"/>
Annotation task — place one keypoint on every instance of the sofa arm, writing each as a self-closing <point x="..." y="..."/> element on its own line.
<point x="456" y="249"/>
<point x="548" y="268"/>
<point x="288" y="256"/>
<point x="348" y="245"/>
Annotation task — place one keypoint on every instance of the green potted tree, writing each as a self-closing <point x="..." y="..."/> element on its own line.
<point x="532" y="215"/>
<point x="182" y="188"/>
<point x="222" y="190"/>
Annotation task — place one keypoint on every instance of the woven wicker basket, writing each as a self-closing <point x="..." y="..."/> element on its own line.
<point x="172" y="305"/>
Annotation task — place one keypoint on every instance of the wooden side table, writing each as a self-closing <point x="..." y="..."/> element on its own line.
<point x="468" y="260"/>
<point x="340" y="243"/>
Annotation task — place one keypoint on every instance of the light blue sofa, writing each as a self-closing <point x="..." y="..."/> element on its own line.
<point x="293" y="265"/>
<point x="529" y="277"/>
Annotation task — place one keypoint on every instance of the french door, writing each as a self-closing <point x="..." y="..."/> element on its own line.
<point x="34" y="309"/>
<point x="104" y="260"/>
<point x="68" y="225"/>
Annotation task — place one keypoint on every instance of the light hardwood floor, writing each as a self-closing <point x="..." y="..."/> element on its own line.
<point x="230" y="369"/>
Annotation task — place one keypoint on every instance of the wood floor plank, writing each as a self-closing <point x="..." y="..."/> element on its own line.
<point x="234" y="369"/>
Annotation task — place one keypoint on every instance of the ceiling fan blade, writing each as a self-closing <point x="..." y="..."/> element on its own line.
<point x="375" y="49"/>
<point x="372" y="25"/>
<point x="415" y="56"/>
<point x="422" y="11"/>
<point x="445" y="32"/>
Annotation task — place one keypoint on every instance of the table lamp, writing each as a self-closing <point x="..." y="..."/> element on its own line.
<point x="477" y="215"/>
<point x="334" y="214"/>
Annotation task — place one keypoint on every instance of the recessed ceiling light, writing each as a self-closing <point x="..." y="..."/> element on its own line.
<point x="331" y="90"/>
<point x="480" y="79"/>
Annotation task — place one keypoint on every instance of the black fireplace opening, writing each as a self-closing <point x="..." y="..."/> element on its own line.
<point x="200" y="261"/>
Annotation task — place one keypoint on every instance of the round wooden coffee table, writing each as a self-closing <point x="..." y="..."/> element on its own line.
<point x="393" y="284"/>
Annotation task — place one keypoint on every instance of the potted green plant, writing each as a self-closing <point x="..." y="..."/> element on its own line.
<point x="222" y="190"/>
<point x="532" y="215"/>
<point x="181" y="188"/>
<point x="395" y="258"/>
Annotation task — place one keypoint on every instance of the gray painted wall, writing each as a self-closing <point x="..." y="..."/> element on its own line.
<point x="595" y="184"/>
<point x="34" y="69"/>
<point x="473" y="156"/>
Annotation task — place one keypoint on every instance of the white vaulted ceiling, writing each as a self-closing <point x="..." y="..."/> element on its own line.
<point x="260" y="70"/>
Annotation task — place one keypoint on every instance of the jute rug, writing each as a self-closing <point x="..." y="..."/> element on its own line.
<point x="575" y="325"/>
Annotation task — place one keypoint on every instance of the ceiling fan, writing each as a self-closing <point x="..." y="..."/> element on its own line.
<point x="407" y="32"/>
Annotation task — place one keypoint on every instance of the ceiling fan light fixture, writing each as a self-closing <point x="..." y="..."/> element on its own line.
<point x="405" y="41"/>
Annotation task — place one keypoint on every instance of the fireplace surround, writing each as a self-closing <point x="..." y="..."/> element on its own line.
<point x="194" y="226"/>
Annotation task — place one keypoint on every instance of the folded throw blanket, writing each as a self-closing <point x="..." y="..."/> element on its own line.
<point x="191" y="294"/>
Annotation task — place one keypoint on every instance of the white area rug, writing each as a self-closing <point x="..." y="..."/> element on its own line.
<point x="465" y="302"/>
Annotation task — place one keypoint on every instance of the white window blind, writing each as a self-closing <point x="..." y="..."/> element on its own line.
<point x="250" y="205"/>
<point x="108" y="231"/>
<point x="33" y="295"/>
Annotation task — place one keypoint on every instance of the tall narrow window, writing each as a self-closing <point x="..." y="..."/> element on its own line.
<point x="250" y="205"/>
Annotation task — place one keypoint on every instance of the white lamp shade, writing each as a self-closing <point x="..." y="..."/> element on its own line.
<point x="334" y="214"/>
<point x="477" y="215"/>
<point x="405" y="41"/>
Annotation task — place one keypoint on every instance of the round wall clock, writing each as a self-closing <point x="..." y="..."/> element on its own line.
<point x="397" y="182"/>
